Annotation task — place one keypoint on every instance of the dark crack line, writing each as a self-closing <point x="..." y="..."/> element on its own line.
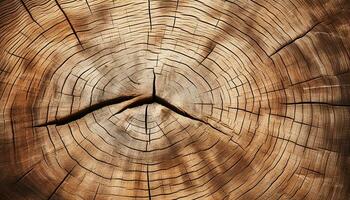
<point x="144" y="101"/>
<point x="81" y="113"/>
<point x="148" y="133"/>
<point x="141" y="102"/>
<point x="313" y="171"/>
<point x="316" y="103"/>
<point x="163" y="102"/>
<point x="88" y="5"/>
<point x="177" y="5"/>
<point x="183" y="113"/>
<point x="154" y="91"/>
<point x="26" y="173"/>
<point x="294" y="40"/>
<point x="30" y="14"/>
<point x="294" y="142"/>
<point x="156" y="62"/>
<point x="70" y="24"/>
<point x="146" y="128"/>
<point x="59" y="185"/>
<point x="17" y="56"/>
<point x="206" y="56"/>
<point x="98" y="187"/>
<point x="149" y="14"/>
<point x="148" y="184"/>
<point x="147" y="39"/>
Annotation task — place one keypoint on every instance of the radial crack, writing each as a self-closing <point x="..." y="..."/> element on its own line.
<point x="139" y="102"/>
<point x="177" y="5"/>
<point x="88" y="5"/>
<point x="26" y="173"/>
<point x="148" y="184"/>
<point x="70" y="24"/>
<point x="146" y="129"/>
<point x="149" y="14"/>
<point x="59" y="185"/>
<point x="154" y="91"/>
<point x="206" y="56"/>
<point x="98" y="187"/>
<point x="292" y="41"/>
<point x="148" y="142"/>
<point x="30" y="14"/>
<point x="183" y="113"/>
<point x="81" y="113"/>
<point x="315" y="103"/>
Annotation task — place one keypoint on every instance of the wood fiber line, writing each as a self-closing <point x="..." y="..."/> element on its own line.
<point x="178" y="99"/>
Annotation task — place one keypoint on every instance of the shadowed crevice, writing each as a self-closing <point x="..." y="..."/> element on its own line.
<point x="154" y="90"/>
<point x="81" y="113"/>
<point x="140" y="102"/>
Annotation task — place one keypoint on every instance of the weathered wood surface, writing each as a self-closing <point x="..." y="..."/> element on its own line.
<point x="182" y="99"/>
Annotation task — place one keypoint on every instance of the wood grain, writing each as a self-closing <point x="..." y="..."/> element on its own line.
<point x="176" y="99"/>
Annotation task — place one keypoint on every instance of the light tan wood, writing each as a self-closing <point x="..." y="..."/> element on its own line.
<point x="182" y="99"/>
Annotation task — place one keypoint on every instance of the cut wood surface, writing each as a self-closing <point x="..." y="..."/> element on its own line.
<point x="175" y="99"/>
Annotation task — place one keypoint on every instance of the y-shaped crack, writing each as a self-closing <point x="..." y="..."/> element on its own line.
<point x="154" y="98"/>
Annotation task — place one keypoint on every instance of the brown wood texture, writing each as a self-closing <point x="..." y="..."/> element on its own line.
<point x="174" y="99"/>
